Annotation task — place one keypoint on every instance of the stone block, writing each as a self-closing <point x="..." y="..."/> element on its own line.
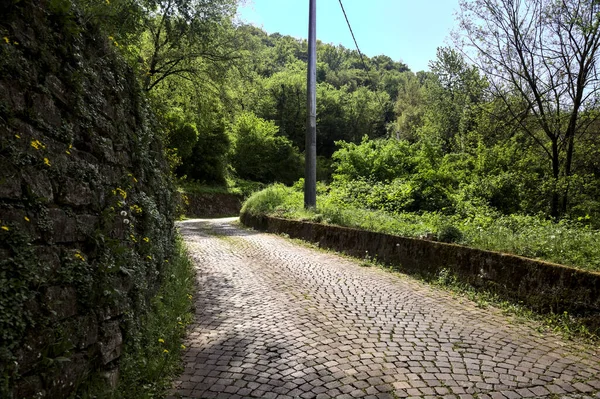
<point x="87" y="331"/>
<point x="10" y="183"/>
<point x="86" y="224"/>
<point x="48" y="257"/>
<point x="38" y="184"/>
<point x="64" y="227"/>
<point x="60" y="302"/>
<point x="44" y="109"/>
<point x="17" y="217"/>
<point x="75" y="193"/>
<point x="111" y="342"/>
<point x="111" y="378"/>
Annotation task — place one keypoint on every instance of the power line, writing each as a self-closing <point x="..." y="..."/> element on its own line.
<point x="361" y="55"/>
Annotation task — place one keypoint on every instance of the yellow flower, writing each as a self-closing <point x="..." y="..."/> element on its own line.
<point x="165" y="351"/>
<point x="47" y="161"/>
<point x="166" y="260"/>
<point x="189" y="296"/>
<point x="162" y="341"/>
<point x="134" y="180"/>
<point x="182" y="346"/>
<point x="68" y="152"/>
<point x="146" y="239"/>
<point x="79" y="256"/>
<point x="26" y="219"/>
<point x="5" y="228"/>
<point x="121" y="192"/>
<point x="16" y="43"/>
<point x="136" y="209"/>
<point x="111" y="38"/>
<point x="132" y="238"/>
<point x="149" y="257"/>
<point x="107" y="2"/>
<point x="17" y="136"/>
<point x="37" y="144"/>
<point x="7" y="40"/>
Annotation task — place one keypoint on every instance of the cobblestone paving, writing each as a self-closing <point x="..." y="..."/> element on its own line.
<point x="279" y="320"/>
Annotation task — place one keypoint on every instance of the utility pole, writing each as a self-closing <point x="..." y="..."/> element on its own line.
<point x="310" y="178"/>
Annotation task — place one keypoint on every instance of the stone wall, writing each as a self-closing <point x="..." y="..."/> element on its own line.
<point x="209" y="205"/>
<point x="86" y="203"/>
<point x="541" y="285"/>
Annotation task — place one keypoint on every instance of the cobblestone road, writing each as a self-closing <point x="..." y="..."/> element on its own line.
<point x="279" y="320"/>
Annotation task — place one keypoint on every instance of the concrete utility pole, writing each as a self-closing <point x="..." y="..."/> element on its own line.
<point x="310" y="178"/>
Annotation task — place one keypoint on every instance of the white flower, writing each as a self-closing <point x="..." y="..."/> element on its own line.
<point x="126" y="221"/>
<point x="123" y="213"/>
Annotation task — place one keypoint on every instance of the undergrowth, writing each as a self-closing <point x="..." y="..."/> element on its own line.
<point x="152" y="357"/>
<point x="566" y="242"/>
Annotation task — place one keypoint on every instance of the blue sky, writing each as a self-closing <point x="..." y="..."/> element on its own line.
<point x="405" y="30"/>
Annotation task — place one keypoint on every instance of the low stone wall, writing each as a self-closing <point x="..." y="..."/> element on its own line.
<point x="195" y="205"/>
<point x="541" y="285"/>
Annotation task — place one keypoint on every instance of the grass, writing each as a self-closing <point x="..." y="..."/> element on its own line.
<point x="149" y="365"/>
<point x="566" y="242"/>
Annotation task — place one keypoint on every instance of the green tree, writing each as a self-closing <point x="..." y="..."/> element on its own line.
<point x="541" y="60"/>
<point x="259" y="154"/>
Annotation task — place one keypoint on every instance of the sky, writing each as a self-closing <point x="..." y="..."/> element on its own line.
<point x="405" y="30"/>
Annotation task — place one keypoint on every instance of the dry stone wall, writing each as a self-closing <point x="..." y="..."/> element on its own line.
<point x="86" y="202"/>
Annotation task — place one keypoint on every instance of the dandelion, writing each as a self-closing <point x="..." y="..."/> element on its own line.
<point x="149" y="257"/>
<point x="165" y="351"/>
<point x="107" y="2"/>
<point x="5" y="228"/>
<point x="7" y="40"/>
<point x="47" y="161"/>
<point x="17" y="136"/>
<point x="126" y="221"/>
<point x="123" y="213"/>
<point x="182" y="346"/>
<point x="26" y="219"/>
<point x="68" y="152"/>
<point x="79" y="256"/>
<point x="146" y="239"/>
<point x="189" y="296"/>
<point x="162" y="341"/>
<point x="132" y="238"/>
<point x="166" y="260"/>
<point x="16" y="43"/>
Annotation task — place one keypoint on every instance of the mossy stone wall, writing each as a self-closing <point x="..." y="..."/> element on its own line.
<point x="86" y="202"/>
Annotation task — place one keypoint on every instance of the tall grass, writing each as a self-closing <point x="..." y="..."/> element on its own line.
<point x="566" y="242"/>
